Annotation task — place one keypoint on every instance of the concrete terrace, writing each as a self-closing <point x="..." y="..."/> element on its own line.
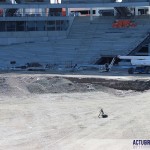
<point x="85" y="43"/>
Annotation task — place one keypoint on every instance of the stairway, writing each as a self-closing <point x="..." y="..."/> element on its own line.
<point x="11" y="12"/>
<point x="98" y="39"/>
<point x="145" y="41"/>
<point x="123" y="12"/>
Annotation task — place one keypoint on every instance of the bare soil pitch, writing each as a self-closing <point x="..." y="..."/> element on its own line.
<point x="43" y="112"/>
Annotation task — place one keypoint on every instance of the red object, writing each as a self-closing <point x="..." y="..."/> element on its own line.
<point x="1" y="12"/>
<point x="123" y="23"/>
<point x="63" y="12"/>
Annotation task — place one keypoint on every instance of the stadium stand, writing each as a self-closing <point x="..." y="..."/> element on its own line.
<point x="84" y="42"/>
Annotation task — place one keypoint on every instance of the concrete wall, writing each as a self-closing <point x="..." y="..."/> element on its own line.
<point x="8" y="38"/>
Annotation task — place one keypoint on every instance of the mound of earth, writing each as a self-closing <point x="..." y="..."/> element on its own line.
<point x="57" y="85"/>
<point x="24" y="85"/>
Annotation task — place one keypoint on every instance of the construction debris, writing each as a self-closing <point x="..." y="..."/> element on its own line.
<point x="102" y="114"/>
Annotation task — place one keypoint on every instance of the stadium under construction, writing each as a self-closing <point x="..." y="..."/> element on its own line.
<point x="65" y="74"/>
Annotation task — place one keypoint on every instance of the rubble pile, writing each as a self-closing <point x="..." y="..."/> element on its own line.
<point x="44" y="84"/>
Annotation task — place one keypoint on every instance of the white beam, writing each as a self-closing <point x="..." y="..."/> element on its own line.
<point x="134" y="57"/>
<point x="95" y="5"/>
<point x="91" y="14"/>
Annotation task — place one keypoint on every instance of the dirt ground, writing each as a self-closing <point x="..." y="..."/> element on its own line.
<point x="45" y="112"/>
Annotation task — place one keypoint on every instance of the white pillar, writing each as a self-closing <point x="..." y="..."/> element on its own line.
<point x="97" y="13"/>
<point x="4" y="11"/>
<point x="43" y="11"/>
<point x="23" y="11"/>
<point x="148" y="10"/>
<point x="136" y="11"/>
<point x="91" y="14"/>
<point x="115" y="12"/>
<point x="13" y="1"/>
<point x="46" y="11"/>
<point x="67" y="11"/>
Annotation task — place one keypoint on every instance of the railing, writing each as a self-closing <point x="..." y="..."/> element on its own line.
<point x="55" y="25"/>
<point x="139" y="44"/>
<point x="71" y="20"/>
<point x="18" y="13"/>
<point x="101" y="1"/>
